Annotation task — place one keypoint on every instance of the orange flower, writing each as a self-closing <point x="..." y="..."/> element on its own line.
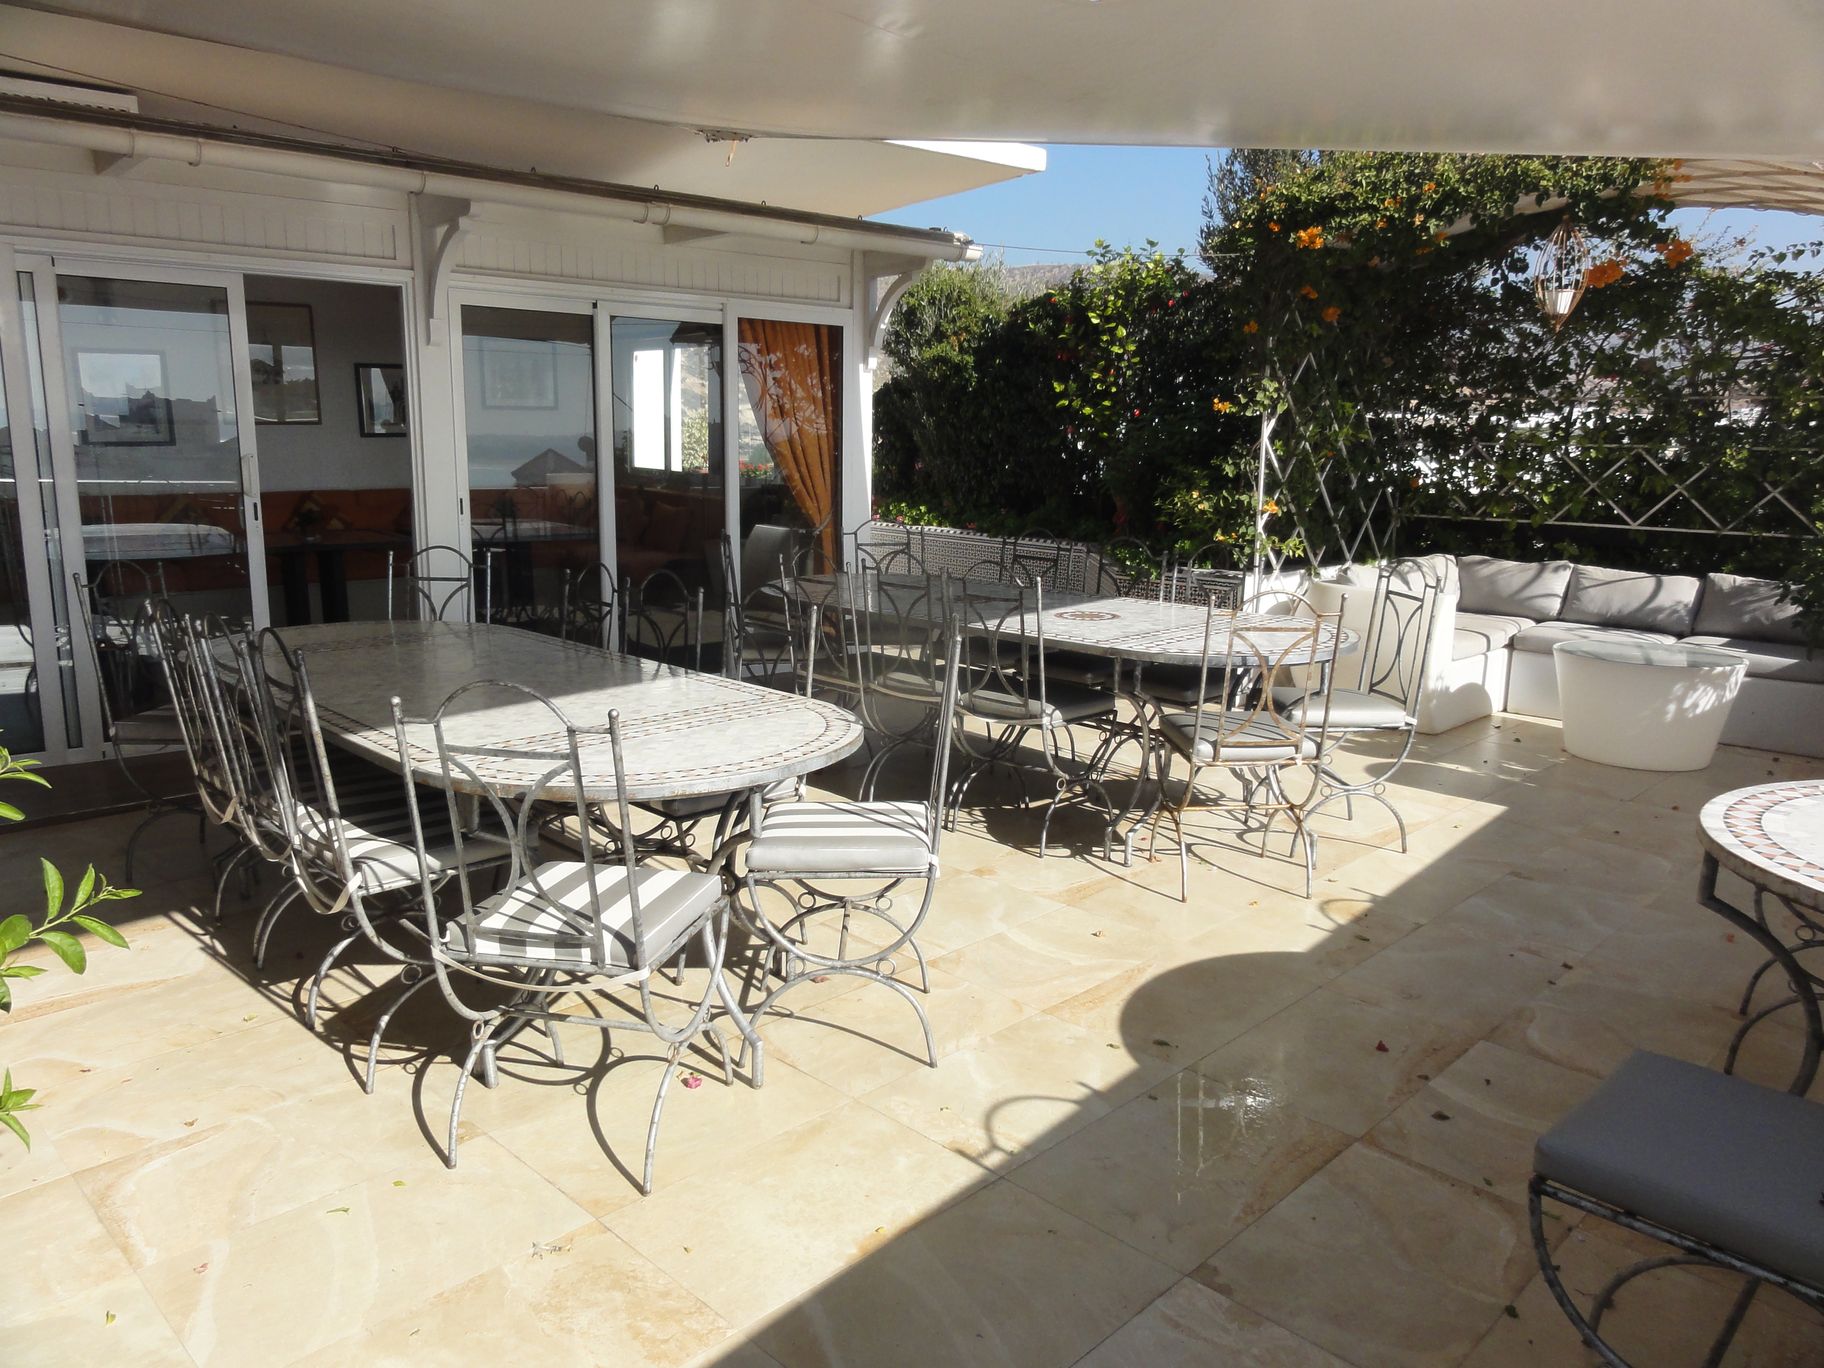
<point x="1310" y="238"/>
<point x="1272" y="225"/>
<point x="1391" y="202"/>
<point x="1222" y="406"/>
<point x="1307" y="292"/>
<point x="1380" y="223"/>
<point x="1603" y="273"/>
<point x="1332" y="313"/>
<point x="1440" y="237"/>
<point x="1250" y="326"/>
<point x="1430" y="186"/>
<point x="1270" y="506"/>
<point x="1675" y="252"/>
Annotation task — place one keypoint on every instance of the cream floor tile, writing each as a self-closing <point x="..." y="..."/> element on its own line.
<point x="105" y="1113"/>
<point x="217" y="1179"/>
<point x="1020" y="1090"/>
<point x="293" y="1284"/>
<point x="1193" y="1325"/>
<point x="96" y="1321"/>
<point x="1177" y="1171"/>
<point x="1591" y="1022"/>
<point x="1052" y="957"/>
<point x="1181" y="1009"/>
<point x="1478" y="1120"/>
<point x="971" y="907"/>
<point x="1379" y="1262"/>
<point x="1335" y="1060"/>
<point x="736" y="1352"/>
<point x="1411" y="887"/>
<point x="582" y="1300"/>
<point x="1548" y="915"/>
<point x="829" y="1192"/>
<point x="22" y="1168"/>
<point x="871" y="1035"/>
<point x="1664" y="1317"/>
<point x="593" y="1146"/>
<point x="1000" y="1280"/>
<point x="1452" y="975"/>
<point x="69" y="1246"/>
<point x="1696" y="957"/>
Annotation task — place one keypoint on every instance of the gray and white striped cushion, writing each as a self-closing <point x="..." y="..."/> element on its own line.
<point x="1244" y="741"/>
<point x="843" y="838"/>
<point x="545" y="920"/>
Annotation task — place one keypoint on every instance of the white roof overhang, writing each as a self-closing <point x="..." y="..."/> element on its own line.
<point x="1690" y="78"/>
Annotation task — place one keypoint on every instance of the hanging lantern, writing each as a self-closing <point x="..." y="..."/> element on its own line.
<point x="1560" y="272"/>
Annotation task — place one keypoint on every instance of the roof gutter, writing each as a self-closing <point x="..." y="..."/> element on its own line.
<point x="129" y="135"/>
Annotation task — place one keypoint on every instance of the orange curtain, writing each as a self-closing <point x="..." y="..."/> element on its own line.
<point x="791" y="372"/>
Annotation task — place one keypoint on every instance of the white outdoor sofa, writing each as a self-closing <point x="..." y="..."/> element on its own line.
<point x="1491" y="646"/>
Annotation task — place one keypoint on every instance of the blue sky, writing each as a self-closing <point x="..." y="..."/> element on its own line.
<point x="1126" y="195"/>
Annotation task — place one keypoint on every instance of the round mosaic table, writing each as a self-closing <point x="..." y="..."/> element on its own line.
<point x="1772" y="836"/>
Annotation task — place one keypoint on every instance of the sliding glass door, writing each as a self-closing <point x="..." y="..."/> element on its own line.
<point x="534" y="518"/>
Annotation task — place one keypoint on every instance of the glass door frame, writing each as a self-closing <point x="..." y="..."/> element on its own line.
<point x="45" y="267"/>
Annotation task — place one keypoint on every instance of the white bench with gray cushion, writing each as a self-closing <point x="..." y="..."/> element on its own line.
<point x="1499" y="619"/>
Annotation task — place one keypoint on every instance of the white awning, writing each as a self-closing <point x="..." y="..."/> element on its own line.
<point x="1692" y="78"/>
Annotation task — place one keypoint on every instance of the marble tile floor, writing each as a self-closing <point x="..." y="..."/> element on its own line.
<point x="1249" y="1128"/>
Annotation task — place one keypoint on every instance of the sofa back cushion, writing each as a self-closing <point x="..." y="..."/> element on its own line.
<point x="1736" y="606"/>
<point x="1504" y="588"/>
<point x="1629" y="598"/>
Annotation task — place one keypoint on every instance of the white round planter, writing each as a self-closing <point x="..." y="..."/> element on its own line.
<point x="1645" y="705"/>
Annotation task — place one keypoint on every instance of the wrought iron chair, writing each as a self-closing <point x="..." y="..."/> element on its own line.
<point x="802" y="852"/>
<point x="662" y="620"/>
<point x="892" y="629"/>
<point x="424" y="587"/>
<point x="557" y="928"/>
<point x="588" y="612"/>
<point x="347" y="823"/>
<point x="1720" y="1170"/>
<point x="1385" y="699"/>
<point x="1240" y="730"/>
<point x="1006" y="689"/>
<point x="126" y="656"/>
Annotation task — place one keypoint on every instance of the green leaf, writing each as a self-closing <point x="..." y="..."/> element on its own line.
<point x="67" y="948"/>
<point x="15" y="931"/>
<point x="11" y="813"/>
<point x="6" y="997"/>
<point x="101" y="931"/>
<point x="13" y="1124"/>
<point x="53" y="888"/>
<point x="86" y="887"/>
<point x="21" y="971"/>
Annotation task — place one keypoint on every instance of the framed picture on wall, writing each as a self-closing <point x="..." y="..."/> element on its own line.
<point x="518" y="373"/>
<point x="380" y="392"/>
<point x="282" y="350"/>
<point x="124" y="401"/>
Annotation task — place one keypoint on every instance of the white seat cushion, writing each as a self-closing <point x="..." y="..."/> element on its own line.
<point x="1541" y="638"/>
<point x="1064" y="704"/>
<point x="1771" y="659"/>
<point x="1245" y="741"/>
<point x="1350" y="710"/>
<point x="1479" y="633"/>
<point x="546" y="919"/>
<point x="843" y="838"/>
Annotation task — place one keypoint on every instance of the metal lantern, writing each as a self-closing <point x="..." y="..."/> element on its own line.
<point x="1560" y="272"/>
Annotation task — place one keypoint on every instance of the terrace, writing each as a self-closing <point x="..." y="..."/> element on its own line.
<point x="455" y="462"/>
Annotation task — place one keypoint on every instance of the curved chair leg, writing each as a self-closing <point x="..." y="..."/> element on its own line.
<point x="658" y="1111"/>
<point x="262" y="929"/>
<point x="235" y="856"/>
<point x="825" y="970"/>
<point x="1548" y="1270"/>
<point x="386" y="1017"/>
<point x="323" y="968"/>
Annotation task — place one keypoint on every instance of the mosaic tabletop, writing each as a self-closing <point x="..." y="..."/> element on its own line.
<point x="1773" y="836"/>
<point x="1145" y="630"/>
<point x="682" y="733"/>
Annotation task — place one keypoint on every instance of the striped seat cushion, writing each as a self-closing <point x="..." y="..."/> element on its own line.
<point x="546" y="919"/>
<point x="843" y="838"/>
<point x="1244" y="741"/>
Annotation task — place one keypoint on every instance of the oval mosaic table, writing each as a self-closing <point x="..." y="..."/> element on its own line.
<point x="683" y="733"/>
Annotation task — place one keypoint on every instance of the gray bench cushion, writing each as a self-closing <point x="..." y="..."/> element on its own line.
<point x="1350" y="710"/>
<point x="1735" y="606"/>
<point x="1772" y="659"/>
<point x="1630" y="598"/>
<point x="1528" y="589"/>
<point x="1479" y="633"/>
<point x="1714" y="1157"/>
<point x="1546" y="635"/>
<point x="1245" y="739"/>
